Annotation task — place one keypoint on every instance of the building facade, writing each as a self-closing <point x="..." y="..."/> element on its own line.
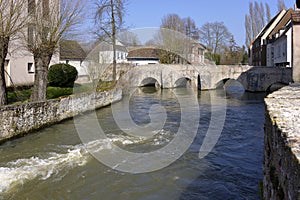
<point x="19" y="63"/>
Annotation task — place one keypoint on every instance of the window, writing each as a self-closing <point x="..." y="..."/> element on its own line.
<point x="31" y="6"/>
<point x="200" y="51"/>
<point x="30" y="68"/>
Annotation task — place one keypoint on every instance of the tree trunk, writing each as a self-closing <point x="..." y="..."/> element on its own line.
<point x="113" y="26"/>
<point x="4" y="49"/>
<point x="41" y="62"/>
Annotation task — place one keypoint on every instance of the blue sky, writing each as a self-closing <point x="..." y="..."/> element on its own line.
<point x="148" y="13"/>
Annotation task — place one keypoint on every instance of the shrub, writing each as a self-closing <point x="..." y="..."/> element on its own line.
<point x="62" y="75"/>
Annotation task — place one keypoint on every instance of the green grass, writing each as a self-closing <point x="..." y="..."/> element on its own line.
<point x="56" y="92"/>
<point x="18" y="96"/>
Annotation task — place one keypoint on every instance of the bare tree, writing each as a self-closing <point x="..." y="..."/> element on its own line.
<point x="172" y="22"/>
<point x="268" y="12"/>
<point x="128" y="38"/>
<point x="12" y="21"/>
<point x="109" y="19"/>
<point x="281" y="5"/>
<point x="252" y="16"/>
<point x="249" y="31"/>
<point x="49" y="20"/>
<point x="215" y="35"/>
<point x="259" y="15"/>
<point x="190" y="28"/>
<point x="185" y="26"/>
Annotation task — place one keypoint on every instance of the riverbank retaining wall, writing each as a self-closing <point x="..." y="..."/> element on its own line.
<point x="282" y="144"/>
<point x="19" y="119"/>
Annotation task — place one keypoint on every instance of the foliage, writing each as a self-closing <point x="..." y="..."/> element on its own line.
<point x="62" y="75"/>
<point x="233" y="54"/>
<point x="213" y="57"/>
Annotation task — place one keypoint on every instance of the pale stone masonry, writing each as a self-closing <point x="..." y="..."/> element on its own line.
<point x="282" y="144"/>
<point x="19" y="119"/>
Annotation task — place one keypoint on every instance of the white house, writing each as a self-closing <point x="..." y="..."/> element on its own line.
<point x="72" y="53"/>
<point x="106" y="52"/>
<point x="19" y="63"/>
<point x="143" y="56"/>
<point x="282" y="47"/>
<point x="197" y="54"/>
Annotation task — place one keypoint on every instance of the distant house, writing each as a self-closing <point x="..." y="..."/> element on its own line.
<point x="197" y="55"/>
<point x="276" y="44"/>
<point x="19" y="63"/>
<point x="258" y="48"/>
<point x="143" y="56"/>
<point x="106" y="52"/>
<point x="279" y="42"/>
<point x="72" y="53"/>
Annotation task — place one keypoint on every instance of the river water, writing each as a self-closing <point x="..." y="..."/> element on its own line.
<point x="54" y="163"/>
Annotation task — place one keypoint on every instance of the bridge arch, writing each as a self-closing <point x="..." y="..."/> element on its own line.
<point x="222" y="83"/>
<point x="150" y="81"/>
<point x="275" y="86"/>
<point x="183" y="82"/>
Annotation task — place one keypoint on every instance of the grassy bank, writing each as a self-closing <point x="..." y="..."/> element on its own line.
<point x="56" y="92"/>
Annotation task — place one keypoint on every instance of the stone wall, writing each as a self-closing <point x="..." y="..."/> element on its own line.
<point x="19" y="119"/>
<point x="282" y="144"/>
<point x="254" y="79"/>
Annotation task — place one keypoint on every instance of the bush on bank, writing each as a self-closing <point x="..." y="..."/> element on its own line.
<point x="62" y="75"/>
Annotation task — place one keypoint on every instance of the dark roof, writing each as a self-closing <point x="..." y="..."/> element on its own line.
<point x="70" y="49"/>
<point x="145" y="52"/>
<point x="263" y="31"/>
<point x="287" y="16"/>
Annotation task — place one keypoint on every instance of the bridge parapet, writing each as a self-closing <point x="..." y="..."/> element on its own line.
<point x="255" y="79"/>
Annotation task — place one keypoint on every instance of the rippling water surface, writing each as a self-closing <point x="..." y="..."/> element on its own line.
<point x="54" y="164"/>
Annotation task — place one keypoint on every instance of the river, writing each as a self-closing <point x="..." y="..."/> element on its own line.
<point x="53" y="163"/>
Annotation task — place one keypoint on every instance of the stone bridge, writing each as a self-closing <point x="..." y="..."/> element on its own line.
<point x="254" y="79"/>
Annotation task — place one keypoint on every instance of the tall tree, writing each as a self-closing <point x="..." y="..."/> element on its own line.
<point x="49" y="20"/>
<point x="190" y="28"/>
<point x="281" y="5"/>
<point x="215" y="36"/>
<point x="259" y="15"/>
<point x="172" y="22"/>
<point x="12" y="21"/>
<point x="186" y="26"/>
<point x="268" y="12"/>
<point x="109" y="19"/>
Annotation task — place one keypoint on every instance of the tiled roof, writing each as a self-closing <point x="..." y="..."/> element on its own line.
<point x="70" y="49"/>
<point x="146" y="52"/>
